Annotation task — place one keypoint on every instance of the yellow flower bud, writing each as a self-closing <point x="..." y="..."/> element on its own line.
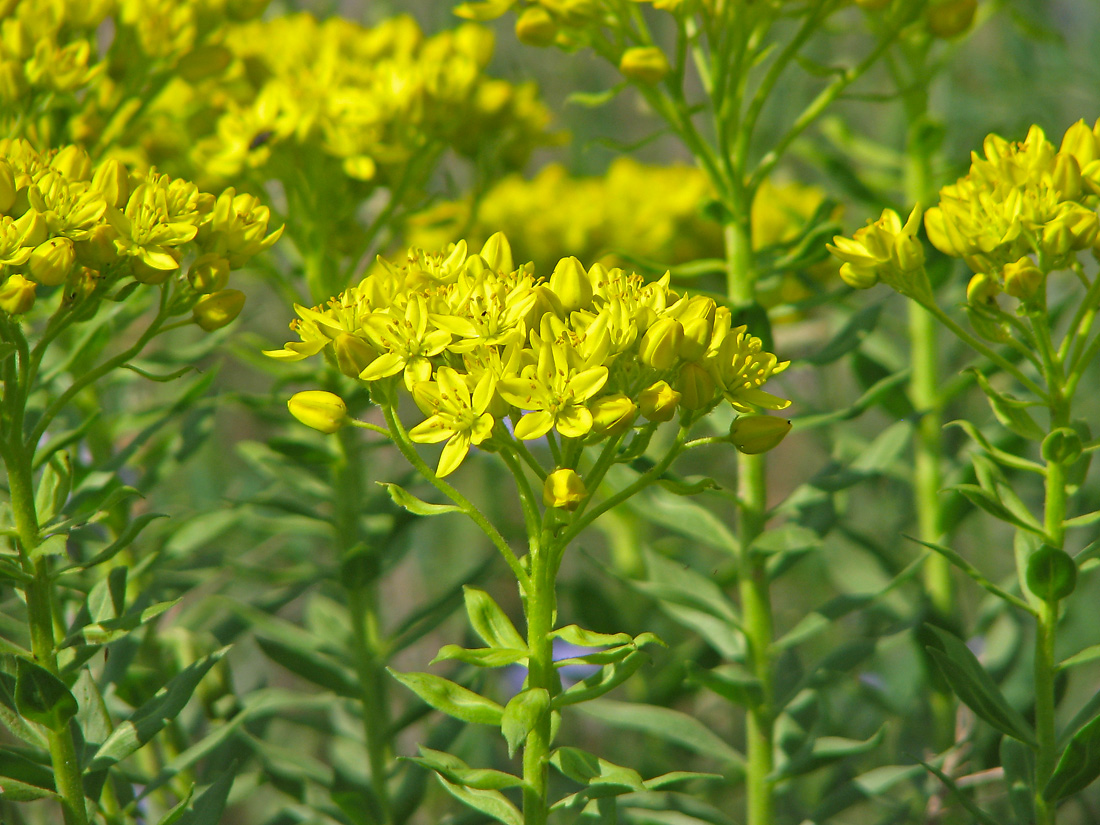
<point x="209" y="273"/>
<point x="318" y="409"/>
<point x="1067" y="176"/>
<point x="612" y="415"/>
<point x="571" y="284"/>
<point x="113" y="182"/>
<point x="660" y="347"/>
<point x="1080" y="142"/>
<point x="51" y="262"/>
<point x="1022" y="279"/>
<point x="536" y="27"/>
<point x="353" y="354"/>
<point x="658" y="402"/>
<point x="696" y="387"/>
<point x="951" y="17"/>
<point x="73" y="163"/>
<point x="646" y="64"/>
<point x="17" y="295"/>
<point x="214" y="311"/>
<point x="982" y="289"/>
<point x="7" y="187"/>
<point x="754" y="434"/>
<point x="563" y="488"/>
<point x="858" y="277"/>
<point x="497" y="253"/>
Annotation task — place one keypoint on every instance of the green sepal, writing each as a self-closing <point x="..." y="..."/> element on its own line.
<point x="1079" y="764"/>
<point x="481" y="656"/>
<point x="403" y="498"/>
<point x="490" y="622"/>
<point x="1010" y="411"/>
<point x="490" y="803"/>
<point x="457" y="772"/>
<point x="521" y="714"/>
<point x="450" y="698"/>
<point x="41" y="697"/>
<point x="1051" y="573"/>
<point x="975" y="688"/>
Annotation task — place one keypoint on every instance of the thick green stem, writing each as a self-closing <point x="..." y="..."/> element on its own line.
<point x="540" y="618"/>
<point x="361" y="590"/>
<point x="39" y="592"/>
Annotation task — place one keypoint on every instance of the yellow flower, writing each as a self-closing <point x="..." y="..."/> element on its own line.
<point x="51" y="262"/>
<point x="405" y="342"/>
<point x="554" y="392"/>
<point x="646" y="64"/>
<point x="883" y="249"/>
<point x="563" y="488"/>
<point x="658" y="402"/>
<point x="454" y="416"/>
<point x="17" y="295"/>
<point x="147" y="231"/>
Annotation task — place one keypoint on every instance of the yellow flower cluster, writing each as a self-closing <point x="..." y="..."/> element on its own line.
<point x="371" y="99"/>
<point x="65" y="220"/>
<point x="1023" y="209"/>
<point x="477" y="340"/>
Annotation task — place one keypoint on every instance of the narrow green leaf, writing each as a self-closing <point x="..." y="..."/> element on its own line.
<point x="974" y="573"/>
<point x="588" y="769"/>
<point x="41" y="697"/>
<point x="480" y="657"/>
<point x="16" y="791"/>
<point x="490" y="622"/>
<point x="667" y="724"/>
<point x="17" y="768"/>
<point x="661" y="782"/>
<point x="209" y="804"/>
<point x="54" y="486"/>
<point x="521" y="714"/>
<point x="111" y="630"/>
<point x="403" y="498"/>
<point x="1018" y="761"/>
<point x="993" y="505"/>
<point x="55" y="545"/>
<point x="148" y="720"/>
<point x="962" y="798"/>
<point x="1089" y="654"/>
<point x="24" y="729"/>
<point x="1011" y="412"/>
<point x="1079" y="764"/>
<point x="594" y="100"/>
<point x="173" y="816"/>
<point x="975" y="688"/>
<point x="827" y="749"/>
<point x="732" y="682"/>
<point x="450" y="698"/>
<point x="575" y="635"/>
<point x="607" y="679"/>
<point x="1000" y="456"/>
<point x="125" y="539"/>
<point x="457" y="772"/>
<point x="313" y="665"/>
<point x="490" y="803"/>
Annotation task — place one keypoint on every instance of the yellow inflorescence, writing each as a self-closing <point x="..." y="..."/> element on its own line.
<point x="476" y="340"/>
<point x="1024" y="209"/>
<point x="64" y="220"/>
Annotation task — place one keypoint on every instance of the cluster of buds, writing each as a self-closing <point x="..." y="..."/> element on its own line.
<point x="944" y="19"/>
<point x="885" y="250"/>
<point x="586" y="353"/>
<point x="66" y="222"/>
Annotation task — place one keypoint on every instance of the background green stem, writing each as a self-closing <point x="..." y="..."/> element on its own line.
<point x="540" y="618"/>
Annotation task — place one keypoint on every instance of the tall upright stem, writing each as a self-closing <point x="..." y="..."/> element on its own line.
<point x="39" y="592"/>
<point x="540" y="617"/>
<point x="753" y="585"/>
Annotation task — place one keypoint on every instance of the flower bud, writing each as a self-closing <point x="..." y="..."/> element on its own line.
<point x="859" y="277"/>
<point x="318" y="409"/>
<point x="209" y="273"/>
<point x="1067" y="176"/>
<point x="113" y="182"/>
<point x="696" y="387"/>
<point x="1022" y="279"/>
<point x="571" y="284"/>
<point x="563" y="488"/>
<point x="353" y="354"/>
<point x="73" y="163"/>
<point x="51" y="262"/>
<point x="660" y="346"/>
<point x="214" y="311"/>
<point x="1080" y="142"/>
<point x="497" y="253"/>
<point x="536" y="27"/>
<point x="658" y="402"/>
<point x="7" y="187"/>
<point x="982" y="289"/>
<point x="645" y="64"/>
<point x="17" y="295"/>
<point x="754" y="434"/>
<point x="951" y="17"/>
<point x="612" y="415"/>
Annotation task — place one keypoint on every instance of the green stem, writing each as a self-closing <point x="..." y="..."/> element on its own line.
<point x="361" y="590"/>
<point x="39" y="593"/>
<point x="1045" y="733"/>
<point x="540" y="618"/>
<point x="756" y="618"/>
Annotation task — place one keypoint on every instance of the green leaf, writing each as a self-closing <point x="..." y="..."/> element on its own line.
<point x="607" y="679"/>
<point x="827" y="749"/>
<point x="313" y="665"/>
<point x="974" y="573"/>
<point x="1079" y="764"/>
<point x="450" y="698"/>
<point x="21" y="728"/>
<point x="975" y="688"/>
<point x="54" y="486"/>
<point x="733" y="682"/>
<point x="1010" y="411"/>
<point x="664" y="780"/>
<point x="125" y="539"/>
<point x="594" y="100"/>
<point x="55" y="545"/>
<point x="22" y="776"/>
<point x="1051" y="573"/>
<point x="1019" y="767"/>
<point x="676" y="513"/>
<point x="41" y="697"/>
<point x="490" y="803"/>
<point x="521" y="714"/>
<point x="111" y="630"/>
<point x="403" y="498"/>
<point x="990" y="502"/>
<point x="149" y="719"/>
<point x="962" y="798"/>
<point x="588" y="769"/>
<point x="209" y="805"/>
<point x="575" y="635"/>
<point x="490" y="622"/>
<point x="667" y="724"/>
<point x="1089" y="654"/>
<point x="173" y="816"/>
<point x="481" y="657"/>
<point x="457" y="772"/>
<point x="849" y="337"/>
<point x="1000" y="456"/>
